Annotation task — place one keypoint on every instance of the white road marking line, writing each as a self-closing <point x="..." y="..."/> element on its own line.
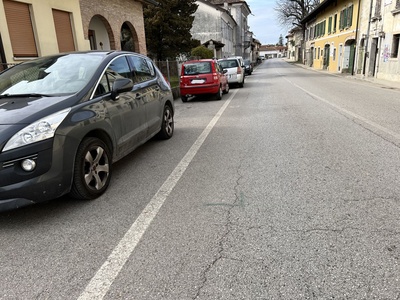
<point x="351" y="115"/>
<point x="105" y="276"/>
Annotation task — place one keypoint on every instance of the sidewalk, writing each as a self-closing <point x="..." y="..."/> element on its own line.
<point x="385" y="83"/>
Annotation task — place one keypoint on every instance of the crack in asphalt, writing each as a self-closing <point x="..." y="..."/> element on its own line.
<point x="238" y="202"/>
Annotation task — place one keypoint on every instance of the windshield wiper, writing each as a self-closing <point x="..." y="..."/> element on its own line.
<point x="23" y="95"/>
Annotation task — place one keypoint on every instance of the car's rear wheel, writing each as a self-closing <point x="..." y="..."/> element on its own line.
<point x="226" y="91"/>
<point x="167" y="124"/>
<point x="184" y="98"/>
<point x="92" y="172"/>
<point x="218" y="95"/>
<point x="241" y="84"/>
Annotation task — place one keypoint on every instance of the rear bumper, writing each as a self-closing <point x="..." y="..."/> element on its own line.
<point x="199" y="89"/>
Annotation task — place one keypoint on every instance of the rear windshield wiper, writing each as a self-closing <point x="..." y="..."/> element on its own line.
<point x="23" y="95"/>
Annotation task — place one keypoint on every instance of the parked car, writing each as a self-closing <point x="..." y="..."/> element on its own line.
<point x="235" y="70"/>
<point x="204" y="76"/>
<point x="248" y="67"/>
<point x="64" y="120"/>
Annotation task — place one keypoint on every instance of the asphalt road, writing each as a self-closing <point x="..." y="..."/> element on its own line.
<point x="287" y="188"/>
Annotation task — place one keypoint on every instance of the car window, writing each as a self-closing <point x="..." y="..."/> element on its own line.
<point x="142" y="68"/>
<point x="231" y="63"/>
<point x="197" y="68"/>
<point x="118" y="68"/>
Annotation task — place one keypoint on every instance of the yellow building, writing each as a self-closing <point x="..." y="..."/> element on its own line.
<point x="331" y="34"/>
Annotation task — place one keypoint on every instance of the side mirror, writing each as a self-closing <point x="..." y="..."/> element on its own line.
<point x="121" y="85"/>
<point x="224" y="71"/>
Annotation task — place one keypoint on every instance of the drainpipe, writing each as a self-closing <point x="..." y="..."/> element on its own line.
<point x="367" y="38"/>
<point x="357" y="30"/>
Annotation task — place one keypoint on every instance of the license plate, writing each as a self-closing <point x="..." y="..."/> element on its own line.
<point x="197" y="81"/>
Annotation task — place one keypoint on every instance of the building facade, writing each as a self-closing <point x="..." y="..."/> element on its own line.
<point x="34" y="28"/>
<point x="224" y="22"/>
<point x="215" y="28"/>
<point x="378" y="44"/>
<point x="331" y="33"/>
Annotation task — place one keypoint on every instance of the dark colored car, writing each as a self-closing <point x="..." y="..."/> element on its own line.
<point x="205" y="76"/>
<point x="64" y="120"/>
<point x="248" y="67"/>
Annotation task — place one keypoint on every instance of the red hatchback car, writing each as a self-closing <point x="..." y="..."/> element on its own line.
<point x="204" y="76"/>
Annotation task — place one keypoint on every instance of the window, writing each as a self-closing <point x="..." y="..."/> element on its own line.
<point x="334" y="54"/>
<point x="20" y="29"/>
<point x="395" y="46"/>
<point x="319" y="51"/>
<point x="330" y="25"/>
<point x="334" y="23"/>
<point x="62" y="24"/>
<point x="346" y="18"/>
<point x="378" y="9"/>
<point x="142" y="68"/>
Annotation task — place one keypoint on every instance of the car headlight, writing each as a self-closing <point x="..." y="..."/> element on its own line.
<point x="38" y="131"/>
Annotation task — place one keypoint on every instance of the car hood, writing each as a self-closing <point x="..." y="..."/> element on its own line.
<point x="25" y="110"/>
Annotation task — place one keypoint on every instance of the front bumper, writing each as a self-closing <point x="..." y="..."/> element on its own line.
<point x="50" y="179"/>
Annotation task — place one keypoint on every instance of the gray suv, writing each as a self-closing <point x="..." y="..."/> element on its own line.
<point x="235" y="70"/>
<point x="64" y="120"/>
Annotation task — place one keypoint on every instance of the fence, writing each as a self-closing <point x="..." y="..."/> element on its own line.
<point x="171" y="70"/>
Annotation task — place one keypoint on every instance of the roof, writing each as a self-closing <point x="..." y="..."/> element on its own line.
<point x="221" y="2"/>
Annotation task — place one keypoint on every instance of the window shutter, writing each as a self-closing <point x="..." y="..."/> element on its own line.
<point x="65" y="37"/>
<point x="350" y="16"/>
<point x="20" y="29"/>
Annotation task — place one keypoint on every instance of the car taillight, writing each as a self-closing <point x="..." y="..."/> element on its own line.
<point x="215" y="76"/>
<point x="239" y="70"/>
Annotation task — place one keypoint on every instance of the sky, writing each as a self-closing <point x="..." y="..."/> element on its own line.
<point x="263" y="22"/>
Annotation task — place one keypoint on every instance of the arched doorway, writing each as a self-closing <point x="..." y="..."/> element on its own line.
<point x="129" y="38"/>
<point x="349" y="55"/>
<point x="327" y="52"/>
<point x="100" y="34"/>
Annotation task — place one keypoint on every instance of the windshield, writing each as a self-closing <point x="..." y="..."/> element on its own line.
<point x="228" y="63"/>
<point x="63" y="74"/>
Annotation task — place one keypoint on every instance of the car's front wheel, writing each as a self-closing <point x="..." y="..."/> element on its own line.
<point x="92" y="172"/>
<point x="167" y="124"/>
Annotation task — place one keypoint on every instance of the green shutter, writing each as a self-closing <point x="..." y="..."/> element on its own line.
<point x="349" y="16"/>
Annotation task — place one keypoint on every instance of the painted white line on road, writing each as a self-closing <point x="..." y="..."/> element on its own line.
<point x="105" y="276"/>
<point x="350" y="114"/>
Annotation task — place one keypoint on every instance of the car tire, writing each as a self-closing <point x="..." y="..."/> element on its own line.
<point x="218" y="95"/>
<point x="167" y="123"/>
<point x="184" y="98"/>
<point x="92" y="171"/>
<point x="226" y="91"/>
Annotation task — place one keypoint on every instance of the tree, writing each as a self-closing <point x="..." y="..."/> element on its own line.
<point x="280" y="42"/>
<point x="202" y="52"/>
<point x="291" y="12"/>
<point x="167" y="28"/>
